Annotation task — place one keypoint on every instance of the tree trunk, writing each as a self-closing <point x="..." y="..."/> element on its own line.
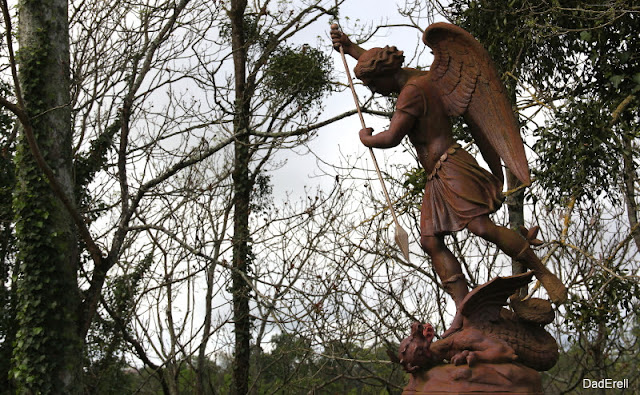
<point x="241" y="202"/>
<point x="515" y="202"/>
<point x="515" y="208"/>
<point x="202" y="373"/>
<point x="47" y="356"/>
<point x="628" y="189"/>
<point x="203" y="370"/>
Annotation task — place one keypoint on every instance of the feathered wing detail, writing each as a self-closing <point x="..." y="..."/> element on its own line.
<point x="488" y="153"/>
<point x="486" y="301"/>
<point x="469" y="86"/>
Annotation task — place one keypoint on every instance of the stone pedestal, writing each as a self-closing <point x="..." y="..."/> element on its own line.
<point x="482" y="378"/>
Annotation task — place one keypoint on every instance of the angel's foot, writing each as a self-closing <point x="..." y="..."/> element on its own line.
<point x="555" y="288"/>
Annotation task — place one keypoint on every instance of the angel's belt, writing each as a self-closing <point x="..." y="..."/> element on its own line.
<point x="444" y="157"/>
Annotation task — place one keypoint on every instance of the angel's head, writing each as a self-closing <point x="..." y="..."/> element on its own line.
<point x="377" y="68"/>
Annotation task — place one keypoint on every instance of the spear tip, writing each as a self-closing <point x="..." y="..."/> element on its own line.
<point x="402" y="241"/>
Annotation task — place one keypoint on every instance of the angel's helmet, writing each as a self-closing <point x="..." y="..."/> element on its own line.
<point x="379" y="63"/>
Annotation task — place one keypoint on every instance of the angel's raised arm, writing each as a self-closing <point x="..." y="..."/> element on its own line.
<point x="340" y="39"/>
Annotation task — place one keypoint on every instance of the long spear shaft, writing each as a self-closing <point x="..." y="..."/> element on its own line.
<point x="401" y="236"/>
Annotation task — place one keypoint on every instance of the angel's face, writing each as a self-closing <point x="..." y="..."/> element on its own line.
<point x="384" y="85"/>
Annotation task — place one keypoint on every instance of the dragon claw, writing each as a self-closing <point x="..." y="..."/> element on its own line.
<point x="460" y="358"/>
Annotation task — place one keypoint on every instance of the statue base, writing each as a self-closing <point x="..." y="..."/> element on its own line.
<point x="482" y="378"/>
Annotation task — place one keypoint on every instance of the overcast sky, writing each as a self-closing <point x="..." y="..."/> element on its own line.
<point x="341" y="138"/>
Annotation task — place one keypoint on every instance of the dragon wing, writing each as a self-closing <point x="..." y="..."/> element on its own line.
<point x="469" y="86"/>
<point x="485" y="301"/>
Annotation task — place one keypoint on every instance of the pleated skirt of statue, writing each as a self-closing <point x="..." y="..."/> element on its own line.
<point x="457" y="191"/>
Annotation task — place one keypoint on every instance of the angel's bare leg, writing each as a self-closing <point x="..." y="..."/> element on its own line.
<point x="447" y="267"/>
<point x="450" y="272"/>
<point x="518" y="248"/>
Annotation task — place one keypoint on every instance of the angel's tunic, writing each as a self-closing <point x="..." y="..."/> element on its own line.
<point x="457" y="189"/>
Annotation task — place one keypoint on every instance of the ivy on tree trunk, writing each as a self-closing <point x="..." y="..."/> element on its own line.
<point x="241" y="203"/>
<point x="47" y="354"/>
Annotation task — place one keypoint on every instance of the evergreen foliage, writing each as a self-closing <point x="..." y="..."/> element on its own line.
<point x="299" y="75"/>
<point x="7" y="241"/>
<point x="582" y="58"/>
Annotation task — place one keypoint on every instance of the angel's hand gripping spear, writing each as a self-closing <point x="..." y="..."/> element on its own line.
<point x="401" y="237"/>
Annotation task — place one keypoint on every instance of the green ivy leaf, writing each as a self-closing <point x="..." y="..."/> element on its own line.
<point x="616" y="80"/>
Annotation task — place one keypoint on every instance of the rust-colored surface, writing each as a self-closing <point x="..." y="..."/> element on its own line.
<point x="488" y="333"/>
<point x="459" y="193"/>
<point x="487" y="349"/>
<point x="470" y="86"/>
<point x="506" y="378"/>
<point x="493" y="351"/>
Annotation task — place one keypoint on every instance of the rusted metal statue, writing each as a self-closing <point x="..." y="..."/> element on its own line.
<point x="489" y="333"/>
<point x="496" y="350"/>
<point x="459" y="193"/>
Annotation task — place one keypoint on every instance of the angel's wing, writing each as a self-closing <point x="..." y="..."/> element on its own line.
<point x="485" y="301"/>
<point x="469" y="86"/>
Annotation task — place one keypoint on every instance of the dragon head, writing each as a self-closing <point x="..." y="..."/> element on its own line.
<point x="414" y="353"/>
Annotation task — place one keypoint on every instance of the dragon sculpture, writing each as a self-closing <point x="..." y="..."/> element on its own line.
<point x="489" y="333"/>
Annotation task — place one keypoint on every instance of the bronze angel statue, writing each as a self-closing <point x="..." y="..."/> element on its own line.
<point x="459" y="193"/>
